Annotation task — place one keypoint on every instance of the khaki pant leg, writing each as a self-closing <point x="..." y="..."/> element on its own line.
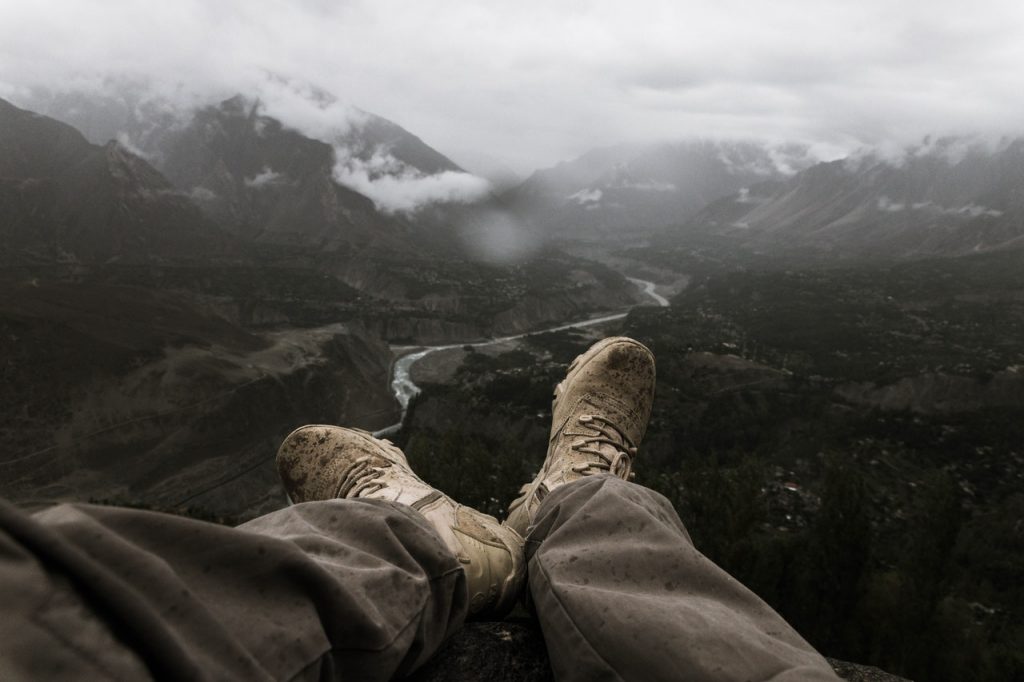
<point x="353" y="589"/>
<point x="621" y="593"/>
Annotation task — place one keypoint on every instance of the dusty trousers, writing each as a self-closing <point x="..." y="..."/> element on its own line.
<point x="365" y="590"/>
<point x="622" y="594"/>
<point x="342" y="589"/>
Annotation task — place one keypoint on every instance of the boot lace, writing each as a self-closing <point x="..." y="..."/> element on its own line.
<point x="616" y="458"/>
<point x="360" y="479"/>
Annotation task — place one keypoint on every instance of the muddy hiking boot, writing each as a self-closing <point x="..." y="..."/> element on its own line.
<point x="325" y="462"/>
<point x="598" y="418"/>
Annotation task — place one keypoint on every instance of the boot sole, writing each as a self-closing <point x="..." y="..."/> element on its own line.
<point x="583" y="359"/>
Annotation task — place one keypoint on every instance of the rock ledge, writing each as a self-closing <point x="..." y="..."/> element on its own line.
<point x="514" y="651"/>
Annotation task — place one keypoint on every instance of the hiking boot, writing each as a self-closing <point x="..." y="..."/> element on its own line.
<point x="598" y="418"/>
<point x="326" y="462"/>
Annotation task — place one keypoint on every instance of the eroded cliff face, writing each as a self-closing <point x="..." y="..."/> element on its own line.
<point x="197" y="426"/>
<point x="443" y="319"/>
<point x="937" y="393"/>
<point x="559" y="307"/>
<point x="423" y="330"/>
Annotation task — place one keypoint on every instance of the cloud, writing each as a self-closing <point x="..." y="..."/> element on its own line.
<point x="392" y="185"/>
<point x="532" y="82"/>
<point x="971" y="210"/>
<point x="266" y="177"/>
<point x="125" y="141"/>
<point x="744" y="197"/>
<point x="202" y="194"/>
<point x="889" y="206"/>
<point x="314" y="112"/>
<point x="395" y="187"/>
<point x="649" y="186"/>
<point x="586" y="196"/>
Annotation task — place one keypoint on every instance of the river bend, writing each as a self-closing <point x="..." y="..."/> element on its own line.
<point x="401" y="378"/>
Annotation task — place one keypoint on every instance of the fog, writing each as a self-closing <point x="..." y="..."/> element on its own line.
<point x="531" y="83"/>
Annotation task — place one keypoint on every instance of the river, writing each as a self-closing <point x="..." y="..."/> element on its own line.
<point x="404" y="388"/>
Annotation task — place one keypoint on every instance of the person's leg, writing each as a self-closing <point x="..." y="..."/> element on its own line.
<point x="619" y="589"/>
<point x="621" y="593"/>
<point x="366" y="587"/>
<point x="361" y="589"/>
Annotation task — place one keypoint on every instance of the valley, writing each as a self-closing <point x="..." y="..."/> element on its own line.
<point x="841" y="378"/>
<point x="149" y="394"/>
<point x="158" y="344"/>
<point x="440" y="358"/>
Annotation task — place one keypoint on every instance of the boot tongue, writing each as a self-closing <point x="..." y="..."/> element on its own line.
<point x="614" y="447"/>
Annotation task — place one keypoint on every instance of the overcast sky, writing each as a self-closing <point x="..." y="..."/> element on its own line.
<point x="533" y="82"/>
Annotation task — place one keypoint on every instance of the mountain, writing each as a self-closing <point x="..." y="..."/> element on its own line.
<point x="630" y="188"/>
<point x="314" y="181"/>
<point x="296" y="168"/>
<point x="123" y="111"/>
<point x="130" y="112"/>
<point x="501" y="176"/>
<point x="265" y="182"/>
<point x="63" y="199"/>
<point x="370" y="134"/>
<point x="945" y="197"/>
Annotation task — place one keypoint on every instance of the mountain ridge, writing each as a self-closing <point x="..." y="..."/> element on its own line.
<point x="928" y="202"/>
<point x="641" y="187"/>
